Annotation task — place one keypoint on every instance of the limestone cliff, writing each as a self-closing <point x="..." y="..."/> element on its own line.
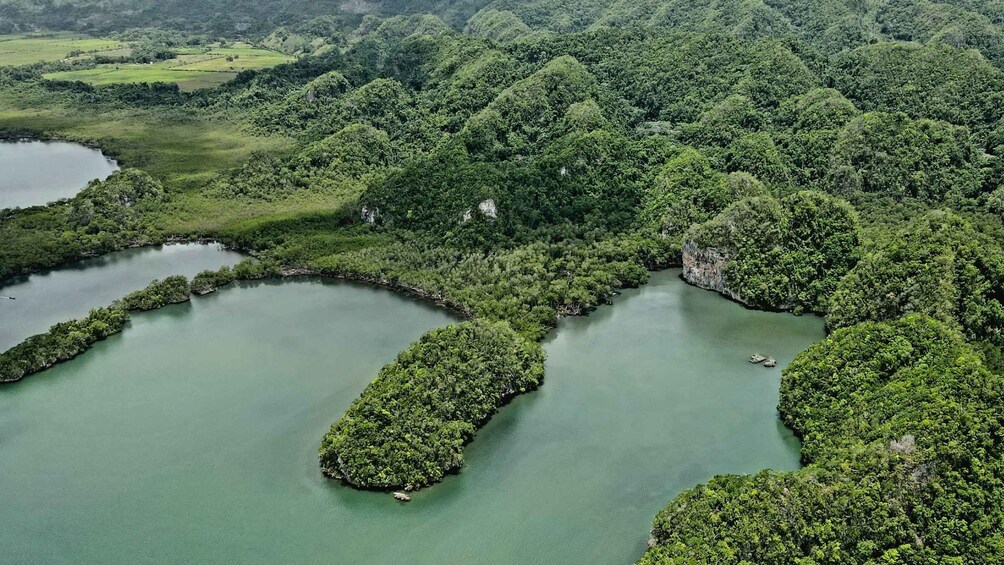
<point x="703" y="267"/>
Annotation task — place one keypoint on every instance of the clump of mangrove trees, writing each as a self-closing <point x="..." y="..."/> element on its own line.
<point x="409" y="427"/>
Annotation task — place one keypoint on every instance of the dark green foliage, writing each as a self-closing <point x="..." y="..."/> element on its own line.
<point x="780" y="254"/>
<point x="354" y="151"/>
<point x="497" y="25"/>
<point x="756" y="154"/>
<point x="995" y="203"/>
<point x="902" y="439"/>
<point x="523" y="117"/>
<point x="687" y="191"/>
<point x="519" y="175"/>
<point x="585" y="178"/>
<point x="528" y="286"/>
<point x="209" y="281"/>
<point x="409" y="426"/>
<point x="894" y="155"/>
<point x="938" y="266"/>
<point x="66" y="340"/>
<point x="251" y="270"/>
<point x="105" y="216"/>
<point x="62" y="342"/>
<point x="336" y="163"/>
<point x="810" y="126"/>
<point x="932" y="82"/>
<point x="158" y="294"/>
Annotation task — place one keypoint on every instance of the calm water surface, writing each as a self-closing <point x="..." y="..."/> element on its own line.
<point x="192" y="436"/>
<point x="71" y="291"/>
<point x="38" y="172"/>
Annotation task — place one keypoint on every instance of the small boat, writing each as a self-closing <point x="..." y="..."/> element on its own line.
<point x="756" y="358"/>
<point x="8" y="297"/>
<point x="402" y="496"/>
<point x="770" y="363"/>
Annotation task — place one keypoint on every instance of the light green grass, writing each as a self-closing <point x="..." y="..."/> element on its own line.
<point x="118" y="52"/>
<point x="26" y="49"/>
<point x="192" y="70"/>
<point x="140" y="73"/>
<point x="178" y="148"/>
<point x="242" y="58"/>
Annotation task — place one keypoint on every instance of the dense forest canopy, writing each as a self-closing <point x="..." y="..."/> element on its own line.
<point x="522" y="160"/>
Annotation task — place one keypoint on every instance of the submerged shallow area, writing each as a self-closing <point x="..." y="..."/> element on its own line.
<point x="192" y="436"/>
<point x="33" y="173"/>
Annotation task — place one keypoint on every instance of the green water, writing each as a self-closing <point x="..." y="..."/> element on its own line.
<point x="191" y="437"/>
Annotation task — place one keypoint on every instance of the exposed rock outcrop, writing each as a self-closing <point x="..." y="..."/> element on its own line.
<point x="703" y="267"/>
<point x="369" y="215"/>
<point x="487" y="208"/>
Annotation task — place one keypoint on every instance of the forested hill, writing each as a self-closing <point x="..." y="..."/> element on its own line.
<point x="523" y="160"/>
<point x="829" y="25"/>
<point x="225" y="18"/>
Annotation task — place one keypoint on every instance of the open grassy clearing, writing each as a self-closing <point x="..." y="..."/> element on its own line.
<point x="207" y="214"/>
<point x="179" y="149"/>
<point x="26" y="49"/>
<point x="187" y="80"/>
<point x="119" y="52"/>
<point x="193" y="69"/>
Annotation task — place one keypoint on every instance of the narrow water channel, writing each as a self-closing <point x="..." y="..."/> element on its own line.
<point x="62" y="294"/>
<point x="192" y="436"/>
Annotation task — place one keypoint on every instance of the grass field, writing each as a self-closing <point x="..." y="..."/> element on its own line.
<point x="180" y="149"/>
<point x="34" y="48"/>
<point x="193" y="69"/>
<point x="137" y="73"/>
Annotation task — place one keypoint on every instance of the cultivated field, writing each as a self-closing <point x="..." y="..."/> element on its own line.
<point x="26" y="49"/>
<point x="194" y="68"/>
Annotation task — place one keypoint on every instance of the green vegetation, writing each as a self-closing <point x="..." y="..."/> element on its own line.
<point x="62" y="342"/>
<point x="843" y="158"/>
<point x="66" y="340"/>
<point x="211" y="281"/>
<point x="158" y="294"/>
<point x="529" y="287"/>
<point x="26" y="49"/>
<point x="409" y="426"/>
<point x="780" y="254"/>
<point x="191" y="70"/>
<point x="901" y="441"/>
<point x="105" y="216"/>
<point x="937" y="265"/>
<point x="893" y="155"/>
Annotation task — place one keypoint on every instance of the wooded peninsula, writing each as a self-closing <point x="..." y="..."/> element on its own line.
<point x="521" y="161"/>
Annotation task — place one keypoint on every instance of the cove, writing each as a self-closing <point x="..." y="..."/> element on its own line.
<point x="192" y="436"/>
<point x="33" y="173"/>
<point x="69" y="292"/>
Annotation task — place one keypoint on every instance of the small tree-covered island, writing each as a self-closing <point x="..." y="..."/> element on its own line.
<point x="521" y="161"/>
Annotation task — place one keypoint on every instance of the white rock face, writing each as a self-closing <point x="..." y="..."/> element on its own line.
<point x="369" y="215"/>
<point x="488" y="208"/>
<point x="702" y="267"/>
